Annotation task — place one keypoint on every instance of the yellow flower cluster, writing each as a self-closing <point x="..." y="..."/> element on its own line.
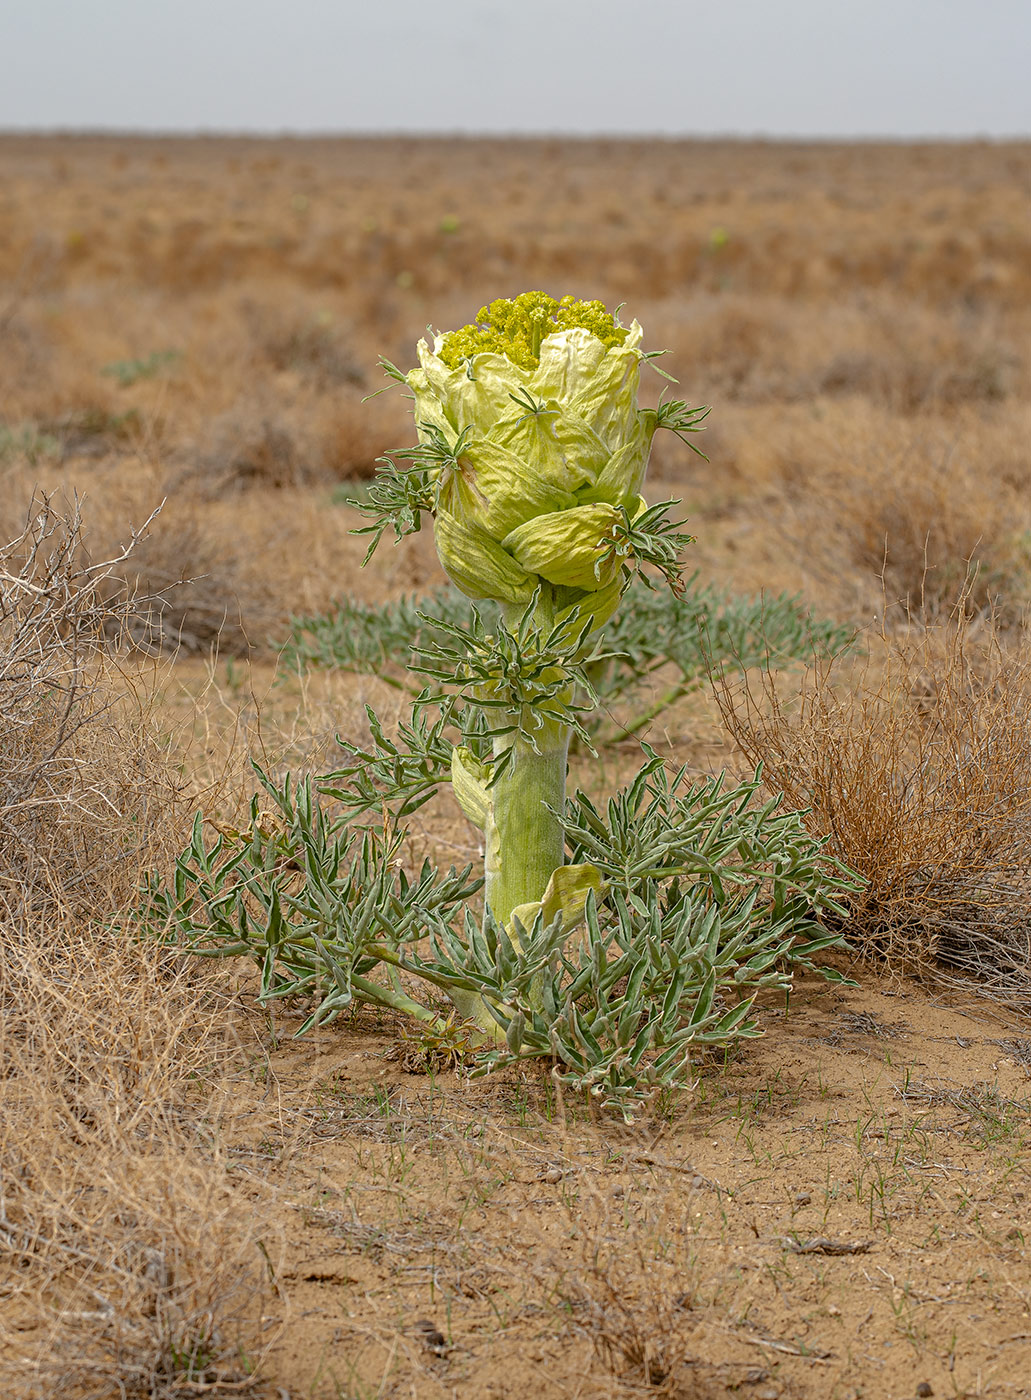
<point x="516" y="328"/>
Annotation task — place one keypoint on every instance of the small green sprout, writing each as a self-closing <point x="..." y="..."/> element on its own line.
<point x="129" y="372"/>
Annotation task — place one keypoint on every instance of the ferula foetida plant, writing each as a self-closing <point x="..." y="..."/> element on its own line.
<point x="608" y="939"/>
<point x="533" y="453"/>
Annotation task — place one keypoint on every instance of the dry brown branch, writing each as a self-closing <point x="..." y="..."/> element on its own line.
<point x="129" y="1262"/>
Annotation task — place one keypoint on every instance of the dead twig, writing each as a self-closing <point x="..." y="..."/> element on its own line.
<point x="821" y="1244"/>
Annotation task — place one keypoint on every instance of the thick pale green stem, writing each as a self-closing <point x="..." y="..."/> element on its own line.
<point x="525" y="842"/>
<point x="398" y="1000"/>
<point x="524" y="839"/>
<point x="523" y="833"/>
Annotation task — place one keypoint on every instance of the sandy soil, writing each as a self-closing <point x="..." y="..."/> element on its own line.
<point x="841" y="1212"/>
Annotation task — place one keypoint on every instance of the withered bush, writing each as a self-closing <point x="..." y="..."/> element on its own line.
<point x="249" y="446"/>
<point x="84" y="790"/>
<point x="322" y="441"/>
<point x="311" y="346"/>
<point x="916" y="764"/>
<point x="128" y="1259"/>
<point x="192" y="595"/>
<point x="923" y="523"/>
<point x="903" y="356"/>
<point x="907" y="384"/>
<point x="353" y="434"/>
<point x="194" y="589"/>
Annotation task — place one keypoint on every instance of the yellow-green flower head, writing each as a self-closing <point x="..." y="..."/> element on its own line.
<point x="517" y="329"/>
<point x="537" y="403"/>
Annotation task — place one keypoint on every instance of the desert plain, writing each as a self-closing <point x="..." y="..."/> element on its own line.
<point x="195" y="1201"/>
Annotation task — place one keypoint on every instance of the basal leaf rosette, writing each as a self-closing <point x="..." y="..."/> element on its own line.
<point x="532" y="411"/>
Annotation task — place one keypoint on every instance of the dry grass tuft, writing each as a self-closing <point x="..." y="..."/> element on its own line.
<point x="311" y="346"/>
<point x="249" y="447"/>
<point x="198" y="598"/>
<point x="918" y="770"/>
<point x="195" y="587"/>
<point x="318" y="439"/>
<point x="894" y="512"/>
<point x="355" y="434"/>
<point x="632" y="1297"/>
<point x="129" y="1258"/>
<point x="934" y="530"/>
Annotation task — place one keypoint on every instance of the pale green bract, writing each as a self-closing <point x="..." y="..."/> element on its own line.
<point x="543" y="463"/>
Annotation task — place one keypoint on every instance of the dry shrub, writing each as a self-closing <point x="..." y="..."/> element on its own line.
<point x="915" y="518"/>
<point x="916" y="765"/>
<point x="94" y="430"/>
<point x="311" y="346"/>
<point x="247" y="447"/>
<point x="908" y="384"/>
<point x="185" y="584"/>
<point x="85" y="791"/>
<point x="354" y="433"/>
<point x="191" y="580"/>
<point x="193" y="586"/>
<point x="934" y="529"/>
<point x="27" y="348"/>
<point x="128" y="1259"/>
<point x="321" y="440"/>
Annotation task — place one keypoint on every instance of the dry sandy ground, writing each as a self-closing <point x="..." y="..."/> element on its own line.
<point x="841" y="1212"/>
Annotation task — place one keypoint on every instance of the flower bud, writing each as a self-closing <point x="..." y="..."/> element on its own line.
<point x="478" y="393"/>
<point x="608" y="400"/>
<point x="572" y="548"/>
<point x="622" y="476"/>
<point x="539" y="397"/>
<point x="598" y="606"/>
<point x="429" y="412"/>
<point x="477" y="565"/>
<point x="557" y="443"/>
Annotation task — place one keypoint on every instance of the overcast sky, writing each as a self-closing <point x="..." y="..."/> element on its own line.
<point x="777" y="67"/>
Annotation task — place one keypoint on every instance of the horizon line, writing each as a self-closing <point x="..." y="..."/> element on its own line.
<point x="202" y="133"/>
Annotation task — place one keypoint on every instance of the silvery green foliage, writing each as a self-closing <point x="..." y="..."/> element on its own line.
<point x="654" y="636"/>
<point x="619" y="1007"/>
<point x="314" y="900"/>
<point x="704" y="629"/>
<point x="401" y="774"/>
<point x="372" y="639"/>
<point x="740" y="846"/>
<point x="522" y="678"/>
<point x="713" y="895"/>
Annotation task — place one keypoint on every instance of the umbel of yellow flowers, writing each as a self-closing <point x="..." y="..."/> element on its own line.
<point x="544" y="449"/>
